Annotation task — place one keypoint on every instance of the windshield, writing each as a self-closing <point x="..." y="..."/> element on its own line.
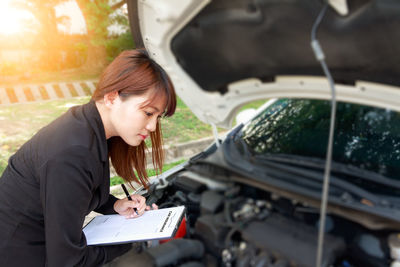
<point x="366" y="138"/>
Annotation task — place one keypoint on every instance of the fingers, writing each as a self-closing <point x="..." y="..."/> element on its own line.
<point x="139" y="199"/>
<point x="138" y="202"/>
<point x="130" y="213"/>
<point x="127" y="207"/>
<point x="135" y="209"/>
<point x="153" y="207"/>
<point x="141" y="203"/>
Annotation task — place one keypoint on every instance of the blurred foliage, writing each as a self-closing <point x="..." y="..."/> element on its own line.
<point x="71" y="52"/>
<point x="124" y="41"/>
<point x="76" y="55"/>
<point x="52" y="50"/>
<point x="45" y="13"/>
<point x="8" y="68"/>
<point x="30" y="63"/>
<point x="116" y="45"/>
<point x="97" y="15"/>
<point x="97" y="18"/>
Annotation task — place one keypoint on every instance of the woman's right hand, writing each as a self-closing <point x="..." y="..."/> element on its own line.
<point x="126" y="207"/>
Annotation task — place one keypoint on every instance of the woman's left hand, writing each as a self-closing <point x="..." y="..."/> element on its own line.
<point x="125" y="207"/>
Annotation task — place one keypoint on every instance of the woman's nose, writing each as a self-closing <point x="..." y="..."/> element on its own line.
<point x="152" y="124"/>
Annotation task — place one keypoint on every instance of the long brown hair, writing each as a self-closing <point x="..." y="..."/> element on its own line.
<point x="133" y="72"/>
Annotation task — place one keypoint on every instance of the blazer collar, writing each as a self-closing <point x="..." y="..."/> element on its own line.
<point x="98" y="127"/>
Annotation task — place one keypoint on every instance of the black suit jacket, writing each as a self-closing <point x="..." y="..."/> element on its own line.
<point x="50" y="184"/>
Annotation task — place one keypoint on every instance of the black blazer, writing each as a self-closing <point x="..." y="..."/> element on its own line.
<point x="50" y="184"/>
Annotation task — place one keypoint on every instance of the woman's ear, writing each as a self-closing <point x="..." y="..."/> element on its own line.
<point x="110" y="98"/>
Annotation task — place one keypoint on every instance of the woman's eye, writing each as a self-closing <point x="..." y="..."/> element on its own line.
<point x="149" y="114"/>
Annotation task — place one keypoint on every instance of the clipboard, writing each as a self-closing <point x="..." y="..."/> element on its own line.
<point x="116" y="229"/>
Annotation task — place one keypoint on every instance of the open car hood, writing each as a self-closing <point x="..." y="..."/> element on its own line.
<point x="222" y="54"/>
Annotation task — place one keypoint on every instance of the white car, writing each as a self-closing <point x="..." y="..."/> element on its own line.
<point x="255" y="198"/>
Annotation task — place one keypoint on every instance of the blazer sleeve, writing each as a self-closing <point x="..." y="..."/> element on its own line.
<point x="108" y="207"/>
<point x="66" y="185"/>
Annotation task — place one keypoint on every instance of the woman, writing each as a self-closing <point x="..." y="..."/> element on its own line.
<point x="55" y="179"/>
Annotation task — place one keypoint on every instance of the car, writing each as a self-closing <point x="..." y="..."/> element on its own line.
<point x="259" y="195"/>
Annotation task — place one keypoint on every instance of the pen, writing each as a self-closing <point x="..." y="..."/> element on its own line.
<point x="128" y="196"/>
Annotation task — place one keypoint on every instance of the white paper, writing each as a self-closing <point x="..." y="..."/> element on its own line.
<point x="153" y="224"/>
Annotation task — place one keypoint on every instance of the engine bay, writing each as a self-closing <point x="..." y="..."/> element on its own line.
<point x="240" y="225"/>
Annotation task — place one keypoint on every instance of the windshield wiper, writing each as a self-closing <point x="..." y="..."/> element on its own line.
<point x="231" y="149"/>
<point x="313" y="180"/>
<point x="338" y="168"/>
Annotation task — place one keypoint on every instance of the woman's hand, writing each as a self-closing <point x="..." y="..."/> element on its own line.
<point x="125" y="207"/>
<point x="153" y="207"/>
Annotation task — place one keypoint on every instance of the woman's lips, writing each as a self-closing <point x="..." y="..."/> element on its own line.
<point x="143" y="136"/>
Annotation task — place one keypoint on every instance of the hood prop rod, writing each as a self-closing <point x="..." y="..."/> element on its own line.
<point x="215" y="133"/>
<point x="319" y="54"/>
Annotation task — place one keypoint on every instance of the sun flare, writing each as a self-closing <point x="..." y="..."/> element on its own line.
<point x="11" y="19"/>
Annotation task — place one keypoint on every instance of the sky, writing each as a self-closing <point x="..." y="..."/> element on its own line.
<point x="76" y="23"/>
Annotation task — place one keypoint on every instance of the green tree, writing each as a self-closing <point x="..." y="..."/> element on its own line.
<point x="97" y="15"/>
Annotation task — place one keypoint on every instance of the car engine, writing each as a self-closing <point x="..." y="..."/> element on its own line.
<point x="240" y="225"/>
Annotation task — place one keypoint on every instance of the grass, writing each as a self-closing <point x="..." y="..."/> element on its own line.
<point x="18" y="123"/>
<point x="254" y="104"/>
<point x="184" y="126"/>
<point x="151" y="172"/>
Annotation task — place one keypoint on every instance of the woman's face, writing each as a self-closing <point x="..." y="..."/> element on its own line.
<point x="132" y="122"/>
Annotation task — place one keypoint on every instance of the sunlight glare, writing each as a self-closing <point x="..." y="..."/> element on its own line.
<point x="11" y="19"/>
